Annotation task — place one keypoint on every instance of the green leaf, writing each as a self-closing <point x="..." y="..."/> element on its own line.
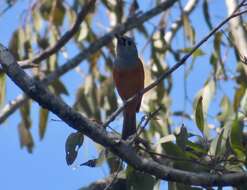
<point x="196" y="147"/>
<point x="81" y="103"/>
<point x="139" y="180"/>
<point x="195" y="54"/>
<point x="2" y="88"/>
<point x="59" y="88"/>
<point x="182" y="138"/>
<point x="165" y="139"/>
<point x="72" y="145"/>
<point x="58" y="14"/>
<point x="26" y="138"/>
<point x="37" y="20"/>
<point x="199" y="115"/>
<point x="239" y="93"/>
<point x="189" y="30"/>
<point x="217" y="42"/>
<point x="206" y="14"/>
<point x="43" y="118"/>
<point x="226" y="110"/>
<point x="237" y="139"/>
<point x="207" y="93"/>
<point x="216" y="145"/>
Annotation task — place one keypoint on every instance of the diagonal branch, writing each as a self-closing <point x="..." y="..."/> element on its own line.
<point x="37" y="91"/>
<point x="104" y="40"/>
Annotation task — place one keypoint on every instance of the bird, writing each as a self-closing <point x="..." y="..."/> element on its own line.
<point x="128" y="76"/>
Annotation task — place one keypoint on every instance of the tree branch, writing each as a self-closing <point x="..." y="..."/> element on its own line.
<point x="104" y="40"/>
<point x="37" y="91"/>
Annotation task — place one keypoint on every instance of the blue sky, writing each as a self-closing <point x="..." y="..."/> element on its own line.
<point x="46" y="167"/>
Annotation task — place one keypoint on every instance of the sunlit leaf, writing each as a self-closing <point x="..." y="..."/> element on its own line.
<point x="37" y="20"/>
<point x="239" y="93"/>
<point x="243" y="103"/>
<point x="2" y="87"/>
<point x="207" y="93"/>
<point x="72" y="145"/>
<point x="226" y="110"/>
<point x="26" y="138"/>
<point x="199" y="115"/>
<point x="43" y="117"/>
<point x="58" y="14"/>
<point x="189" y="30"/>
<point x="82" y="33"/>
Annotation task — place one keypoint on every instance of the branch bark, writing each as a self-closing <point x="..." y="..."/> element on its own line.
<point x="75" y="61"/>
<point x="38" y="91"/>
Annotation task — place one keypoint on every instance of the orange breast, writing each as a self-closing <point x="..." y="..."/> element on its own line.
<point x="129" y="82"/>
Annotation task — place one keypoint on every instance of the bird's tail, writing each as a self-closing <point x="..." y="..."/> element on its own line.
<point x="129" y="125"/>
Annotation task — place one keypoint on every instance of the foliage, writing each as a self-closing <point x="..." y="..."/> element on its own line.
<point x="211" y="137"/>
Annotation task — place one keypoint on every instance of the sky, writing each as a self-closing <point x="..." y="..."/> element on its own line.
<point x="46" y="167"/>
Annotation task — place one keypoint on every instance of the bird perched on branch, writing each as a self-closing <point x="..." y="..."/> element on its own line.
<point x="128" y="75"/>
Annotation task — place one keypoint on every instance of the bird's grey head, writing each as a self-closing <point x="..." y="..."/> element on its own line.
<point x="126" y="47"/>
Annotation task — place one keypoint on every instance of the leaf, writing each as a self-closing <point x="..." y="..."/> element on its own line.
<point x="189" y="30"/>
<point x="182" y="138"/>
<point x="195" y="54"/>
<point x="239" y="93"/>
<point x="25" y="114"/>
<point x="43" y="118"/>
<point x="236" y="139"/>
<point x="37" y="20"/>
<point x="199" y="115"/>
<point x="81" y="103"/>
<point x="226" y="110"/>
<point x="206" y="14"/>
<point x="217" y="42"/>
<point x="175" y="151"/>
<point x="139" y="180"/>
<point x="82" y="33"/>
<point x="72" y="145"/>
<point x="216" y="145"/>
<point x="26" y="138"/>
<point x="196" y="147"/>
<point x="243" y="103"/>
<point x="165" y="139"/>
<point x="59" y="88"/>
<point x="2" y="87"/>
<point x="58" y="14"/>
<point x="24" y="127"/>
<point x="207" y="93"/>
